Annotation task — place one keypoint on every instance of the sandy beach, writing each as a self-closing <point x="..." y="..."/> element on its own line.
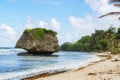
<point x="105" y="69"/>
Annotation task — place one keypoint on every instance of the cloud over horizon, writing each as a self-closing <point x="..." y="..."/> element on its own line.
<point x="67" y="20"/>
<point x="88" y="24"/>
<point x="52" y="24"/>
<point x="101" y="6"/>
<point x="7" y="34"/>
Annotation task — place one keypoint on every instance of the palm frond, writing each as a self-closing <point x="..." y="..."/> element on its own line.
<point x="115" y="3"/>
<point x="108" y="14"/>
<point x="112" y="1"/>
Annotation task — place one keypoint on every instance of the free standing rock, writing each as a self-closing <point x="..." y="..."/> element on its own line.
<point x="38" y="41"/>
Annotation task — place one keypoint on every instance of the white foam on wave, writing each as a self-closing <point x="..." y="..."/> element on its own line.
<point x="52" y="69"/>
<point x="21" y="75"/>
<point x="10" y="51"/>
<point x="4" y="52"/>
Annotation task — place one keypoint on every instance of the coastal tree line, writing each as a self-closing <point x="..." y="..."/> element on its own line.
<point x="101" y="40"/>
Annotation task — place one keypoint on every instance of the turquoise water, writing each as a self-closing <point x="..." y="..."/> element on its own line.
<point x="16" y="67"/>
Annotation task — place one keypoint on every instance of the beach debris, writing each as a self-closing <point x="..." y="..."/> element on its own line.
<point x="92" y="73"/>
<point x="107" y="55"/>
<point x="116" y="58"/>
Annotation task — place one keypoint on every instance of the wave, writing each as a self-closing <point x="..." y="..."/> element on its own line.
<point x="46" y="70"/>
<point x="4" y="52"/>
<point x="10" y="51"/>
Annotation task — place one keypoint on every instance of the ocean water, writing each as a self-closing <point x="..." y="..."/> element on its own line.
<point x="13" y="67"/>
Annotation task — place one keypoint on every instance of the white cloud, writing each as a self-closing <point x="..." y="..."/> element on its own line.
<point x="52" y="24"/>
<point x="82" y="23"/>
<point x="55" y="24"/>
<point x="7" y="34"/>
<point x="42" y="24"/>
<point x="29" y="23"/>
<point x="66" y="37"/>
<point x="84" y="26"/>
<point x="101" y="6"/>
<point x="88" y="24"/>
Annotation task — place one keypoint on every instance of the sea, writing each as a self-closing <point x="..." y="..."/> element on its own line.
<point x="14" y="67"/>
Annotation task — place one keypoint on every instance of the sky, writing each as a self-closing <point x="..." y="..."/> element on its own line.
<point x="71" y="19"/>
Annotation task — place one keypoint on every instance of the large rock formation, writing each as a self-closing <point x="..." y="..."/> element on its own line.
<point x="38" y="41"/>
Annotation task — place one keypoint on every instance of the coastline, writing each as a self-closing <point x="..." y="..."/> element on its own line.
<point x="64" y="70"/>
<point x="91" y="71"/>
<point x="60" y="61"/>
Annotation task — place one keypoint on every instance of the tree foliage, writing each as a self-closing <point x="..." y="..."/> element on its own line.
<point x="101" y="40"/>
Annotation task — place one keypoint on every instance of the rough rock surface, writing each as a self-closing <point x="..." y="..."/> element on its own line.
<point x="38" y="41"/>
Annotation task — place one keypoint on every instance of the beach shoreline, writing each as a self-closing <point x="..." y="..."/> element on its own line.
<point x="86" y="72"/>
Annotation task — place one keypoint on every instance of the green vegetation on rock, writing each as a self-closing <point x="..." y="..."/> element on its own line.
<point x="53" y="33"/>
<point x="101" y="40"/>
<point x="27" y="30"/>
<point x="39" y="33"/>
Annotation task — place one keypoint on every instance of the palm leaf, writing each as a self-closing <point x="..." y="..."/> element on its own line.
<point x="111" y="13"/>
<point x="115" y="3"/>
<point x="112" y="1"/>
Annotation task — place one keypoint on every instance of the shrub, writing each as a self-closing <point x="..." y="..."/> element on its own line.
<point x="27" y="30"/>
<point x="39" y="33"/>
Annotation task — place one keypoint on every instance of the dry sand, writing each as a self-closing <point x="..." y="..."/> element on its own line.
<point x="107" y="69"/>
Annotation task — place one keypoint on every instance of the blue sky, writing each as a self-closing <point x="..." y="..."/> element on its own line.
<point x="71" y="19"/>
